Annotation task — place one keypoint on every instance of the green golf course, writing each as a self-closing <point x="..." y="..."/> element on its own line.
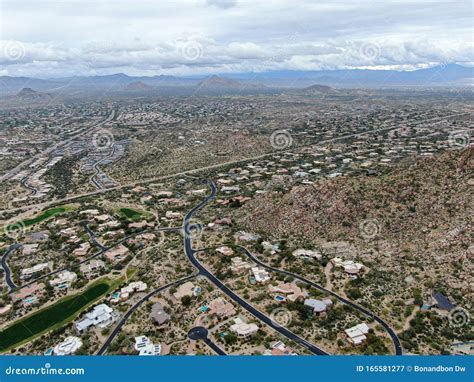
<point x="37" y="219"/>
<point x="51" y="317"/>
<point x="133" y="214"/>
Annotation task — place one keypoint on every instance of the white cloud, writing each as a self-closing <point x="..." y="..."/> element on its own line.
<point x="209" y="36"/>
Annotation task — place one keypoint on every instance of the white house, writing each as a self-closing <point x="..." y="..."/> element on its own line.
<point x="242" y="329"/>
<point x="260" y="274"/>
<point x="65" y="278"/>
<point x="349" y="266"/>
<point x="69" y="346"/>
<point x="306" y="253"/>
<point x="102" y="316"/>
<point x="28" y="272"/>
<point x="356" y="334"/>
<point x="144" y="346"/>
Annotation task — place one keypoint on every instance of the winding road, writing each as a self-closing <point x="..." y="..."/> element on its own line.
<point x="101" y="252"/>
<point x="92" y="236"/>
<point x="190" y="253"/>
<point x="390" y="331"/>
<point x="93" y="178"/>
<point x="127" y="315"/>
<point x="210" y="167"/>
<point x="5" y="266"/>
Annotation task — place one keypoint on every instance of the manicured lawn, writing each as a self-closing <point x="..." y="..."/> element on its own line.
<point x="45" y="319"/>
<point x="131" y="213"/>
<point x="46" y="214"/>
<point x="37" y="219"/>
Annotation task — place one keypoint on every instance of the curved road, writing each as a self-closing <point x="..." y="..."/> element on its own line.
<point x="127" y="315"/>
<point x="92" y="236"/>
<point x="101" y="252"/>
<point x="201" y="333"/>
<point x="390" y="331"/>
<point x="199" y="170"/>
<point x="190" y="253"/>
<point x="5" y="267"/>
<point x="98" y="170"/>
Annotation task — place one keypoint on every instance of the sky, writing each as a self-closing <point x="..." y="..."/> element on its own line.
<point x="61" y="38"/>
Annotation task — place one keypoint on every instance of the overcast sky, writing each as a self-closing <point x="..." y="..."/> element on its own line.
<point x="183" y="37"/>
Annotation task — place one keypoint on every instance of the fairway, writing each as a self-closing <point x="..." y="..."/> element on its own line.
<point x="37" y="219"/>
<point x="46" y="214"/>
<point x="131" y="213"/>
<point x="46" y="318"/>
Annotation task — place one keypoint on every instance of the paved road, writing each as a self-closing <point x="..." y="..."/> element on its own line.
<point x="92" y="236"/>
<point x="92" y="179"/>
<point x="201" y="333"/>
<point x="101" y="252"/>
<point x="5" y="267"/>
<point x="24" y="183"/>
<point x="396" y="342"/>
<point x="127" y="315"/>
<point x="50" y="149"/>
<point x="190" y="253"/>
<point x="215" y="166"/>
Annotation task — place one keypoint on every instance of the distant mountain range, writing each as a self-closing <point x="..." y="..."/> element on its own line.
<point x="28" y="94"/>
<point x="447" y="75"/>
<point x="138" y="86"/>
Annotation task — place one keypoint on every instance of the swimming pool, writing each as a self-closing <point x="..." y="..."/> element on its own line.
<point x="29" y="300"/>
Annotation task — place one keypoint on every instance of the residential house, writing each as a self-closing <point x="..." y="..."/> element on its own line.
<point x="292" y="291"/>
<point x="69" y="346"/>
<point x="357" y="334"/>
<point x="307" y="254"/>
<point x="243" y="329"/>
<point x="158" y="314"/>
<point x="226" y="251"/>
<point x="116" y="254"/>
<point x="63" y="279"/>
<point x="186" y="289"/>
<point x="145" y="347"/>
<point x="318" y="307"/>
<point x="260" y="275"/>
<point x="221" y="307"/>
<point x="101" y="315"/>
<point x="92" y="267"/>
<point x="239" y="265"/>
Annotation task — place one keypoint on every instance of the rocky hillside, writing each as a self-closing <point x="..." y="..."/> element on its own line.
<point x="417" y="201"/>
